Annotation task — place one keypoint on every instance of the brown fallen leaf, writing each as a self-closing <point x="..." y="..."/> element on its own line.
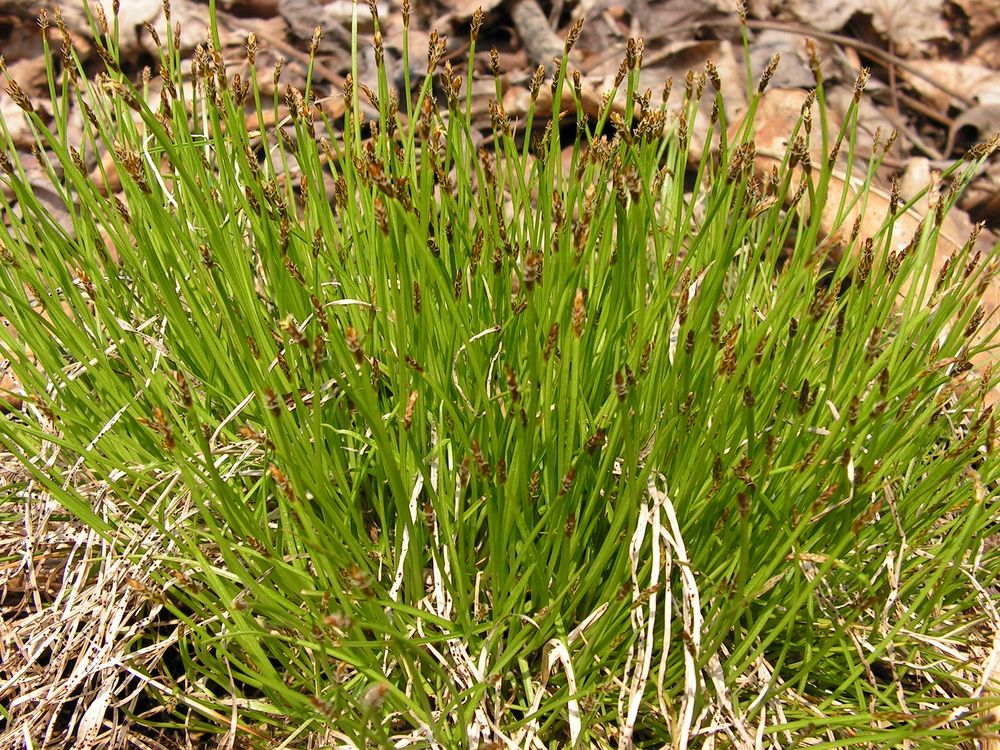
<point x="257" y="8"/>
<point x="794" y="71"/>
<point x="977" y="82"/>
<point x="462" y="10"/>
<point x="982" y="198"/>
<point x="776" y="117"/>
<point x="824" y="15"/>
<point x="978" y="122"/>
<point x="10" y="392"/>
<point x="987" y="52"/>
<point x="983" y="16"/>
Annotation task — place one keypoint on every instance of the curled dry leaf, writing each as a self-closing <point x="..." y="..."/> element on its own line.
<point x="975" y="124"/>
<point x="982" y="199"/>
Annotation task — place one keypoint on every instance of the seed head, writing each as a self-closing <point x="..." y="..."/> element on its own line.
<point x="621" y="389"/>
<point x="975" y="321"/>
<point x="567" y="482"/>
<point x="251" y="45"/>
<point x="596" y="441"/>
<point x="511" y="378"/>
<point x="102" y="19"/>
<point x="19" y="96"/>
<point x="375" y="696"/>
<point x="871" y="345"/>
<point x="667" y="86"/>
<point x="573" y="35"/>
<point x="534" y="484"/>
<point x="622" y="71"/>
<point x="579" y="313"/>
<point x="278" y="65"/>
<point x="768" y="73"/>
<point x="860" y="82"/>
<point x="532" y="270"/>
<point x="804" y="399"/>
<point x="741" y="472"/>
<point x="713" y="75"/>
<point x="971" y="265"/>
<point x="550" y="341"/>
<point x="477" y="24"/>
<point x="815" y="64"/>
<point x="354" y="345"/>
<point x="184" y="389"/>
<point x="317" y="35"/>
<point x="477" y="456"/>
<point x="536" y="82"/>
<point x="411" y="403"/>
<point x="716" y="327"/>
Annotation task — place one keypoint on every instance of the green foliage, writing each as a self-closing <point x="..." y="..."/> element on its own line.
<point x="460" y="440"/>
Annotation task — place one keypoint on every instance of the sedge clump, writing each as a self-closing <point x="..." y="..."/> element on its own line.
<point x="481" y="445"/>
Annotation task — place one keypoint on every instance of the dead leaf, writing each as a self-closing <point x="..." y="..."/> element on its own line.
<point x="872" y="118"/>
<point x="915" y="177"/>
<point x="133" y="13"/>
<point x="794" y="71"/>
<point x="983" y="15"/>
<point x="909" y="24"/>
<point x="974" y="125"/>
<point x="825" y="15"/>
<point x="982" y="198"/>
<point x="17" y="124"/>
<point x="987" y="53"/>
<point x="976" y="82"/>
<point x="10" y="392"/>
<point x="462" y="10"/>
<point x="257" y="8"/>
<point x="678" y="20"/>
<point x="303" y="16"/>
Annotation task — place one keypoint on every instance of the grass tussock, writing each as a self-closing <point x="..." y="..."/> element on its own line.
<point x="415" y="439"/>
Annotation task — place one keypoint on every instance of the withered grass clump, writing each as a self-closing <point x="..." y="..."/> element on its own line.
<point x="470" y="445"/>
